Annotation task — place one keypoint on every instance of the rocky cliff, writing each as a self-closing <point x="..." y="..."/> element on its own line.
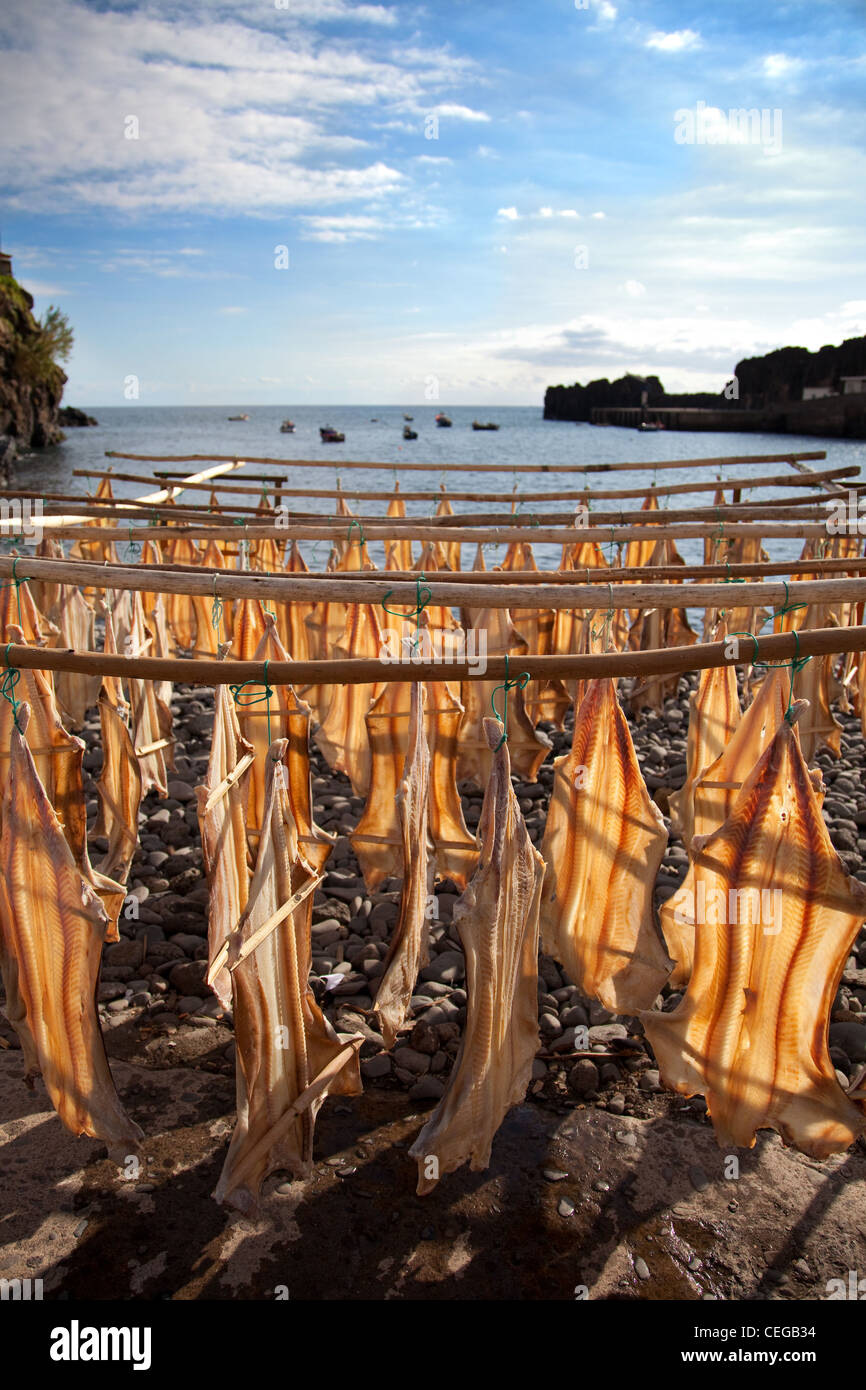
<point x="31" y="383"/>
<point x="578" y="402"/>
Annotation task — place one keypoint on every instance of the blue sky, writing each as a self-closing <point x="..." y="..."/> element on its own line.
<point x="494" y="196"/>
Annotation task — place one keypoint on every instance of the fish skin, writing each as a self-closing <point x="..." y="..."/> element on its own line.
<point x="819" y="728"/>
<point x="712" y="804"/>
<point x="603" y="844"/>
<point x="273" y="1004"/>
<point x="398" y="553"/>
<point x="119" y="792"/>
<point x="224" y="835"/>
<point x="147" y="727"/>
<point x="52" y="926"/>
<point x="751" y="1030"/>
<point x="528" y="747"/>
<point x="342" y="737"/>
<point x="714" y="715"/>
<point x="377" y="841"/>
<point x="408" y="951"/>
<point x="497" y="920"/>
<point x="76" y="619"/>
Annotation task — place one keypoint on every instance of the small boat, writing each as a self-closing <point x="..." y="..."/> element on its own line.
<point x="287" y="427"/>
<point x="409" y="434"/>
<point x="408" y="417"/>
<point x="443" y="422"/>
<point x="646" y="425"/>
<point x="238" y="417"/>
<point x="489" y="426"/>
<point x="331" y="436"/>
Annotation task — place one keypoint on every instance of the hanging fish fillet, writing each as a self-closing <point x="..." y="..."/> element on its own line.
<point x="222" y="802"/>
<point x="52" y="926"/>
<point x="288" y="1055"/>
<point x="76" y="620"/>
<point x="818" y="728"/>
<point x="148" y="735"/>
<point x="398" y="553"/>
<point x="497" y="920"/>
<point x="17" y="606"/>
<point x="342" y="737"/>
<point x="714" y="715"/>
<point x="714" y="795"/>
<point x="291" y="617"/>
<point x="528" y="747"/>
<point x="45" y="591"/>
<point x="179" y="611"/>
<point x="377" y="841"/>
<point x="779" y="919"/>
<point x="408" y="950"/>
<point x="118" y="789"/>
<point x="535" y="626"/>
<point x="603" y="843"/>
<point x="450" y="549"/>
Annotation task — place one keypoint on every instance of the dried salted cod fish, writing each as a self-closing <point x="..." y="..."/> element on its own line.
<point x="342" y="737"/>
<point x="291" y="617"/>
<point x="45" y="591"/>
<point x="222" y="803"/>
<point x="450" y="549"/>
<point x="497" y="920"/>
<point x="527" y="746"/>
<point x="603" y="843"/>
<point x="76" y="620"/>
<point x="17" y="606"/>
<point x="119" y="786"/>
<point x="398" y="553"/>
<point x="778" y="920"/>
<point x="713" y="798"/>
<point x="52" y="926"/>
<point x="288" y="1055"/>
<point x="179" y="609"/>
<point x="119" y="792"/>
<point x="818" y="728"/>
<point x="147" y="732"/>
<point x="162" y="689"/>
<point x="714" y="715"/>
<point x="535" y="626"/>
<point x="377" y="841"/>
<point x="639" y="553"/>
<point x="468" y="616"/>
<point x="256" y="723"/>
<point x="408" y="949"/>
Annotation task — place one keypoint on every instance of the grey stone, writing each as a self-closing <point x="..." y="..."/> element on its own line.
<point x="549" y="1025"/>
<point x="606" y="1032"/>
<point x="851" y="1038"/>
<point x="428" y="1088"/>
<point x="650" y="1080"/>
<point x="698" y="1178"/>
<point x="583" y="1077"/>
<point x="554" y="1175"/>
<point x="188" y="977"/>
<point x="565" y="1207"/>
<point x="626" y="1138"/>
<point x="448" y="967"/>
<point x="410" y="1060"/>
<point x="641" y="1268"/>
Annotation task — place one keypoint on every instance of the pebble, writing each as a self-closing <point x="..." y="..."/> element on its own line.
<point x="650" y="1080"/>
<point x="565" y="1206"/>
<point x="616" y="1105"/>
<point x="378" y="1066"/>
<point x="410" y="1060"/>
<point x="583" y="1077"/>
<point x="428" y="1088"/>
<point x="625" y="1136"/>
<point x="698" y="1178"/>
<point x="554" y="1174"/>
<point x="641" y="1268"/>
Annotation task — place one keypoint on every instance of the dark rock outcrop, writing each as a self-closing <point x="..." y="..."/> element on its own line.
<point x="780" y="376"/>
<point x="73" y="418"/>
<point x="578" y="402"/>
<point x="31" y="384"/>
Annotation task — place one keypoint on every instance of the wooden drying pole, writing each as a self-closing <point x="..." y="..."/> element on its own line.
<point x="346" y="529"/>
<point x="377" y="586"/>
<point x="339" y="464"/>
<point x="806" y="480"/>
<point x="162" y="495"/>
<point x="776" y="647"/>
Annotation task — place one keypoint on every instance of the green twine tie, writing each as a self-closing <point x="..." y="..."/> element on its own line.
<point x="361" y="537"/>
<point x="520" y="682"/>
<point x="237" y="692"/>
<point x="216" y="612"/>
<point x="422" y="598"/>
<point x="7" y="688"/>
<point x="797" y="661"/>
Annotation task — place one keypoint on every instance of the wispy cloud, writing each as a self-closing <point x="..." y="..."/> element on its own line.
<point x="678" y="41"/>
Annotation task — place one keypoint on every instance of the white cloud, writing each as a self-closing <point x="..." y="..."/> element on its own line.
<point x="780" y="65"/>
<point x="599" y="216"/>
<point x="634" y="288"/>
<point x="342" y="229"/>
<point x="678" y="41"/>
<point x="509" y="214"/>
<point x="459" y="113"/>
<point x="607" y="11"/>
<point x="233" y="309"/>
<point x="433" y="159"/>
<point x="545" y="212"/>
<point x="232" y="115"/>
<point x="485" y="152"/>
<point x="570" y="212"/>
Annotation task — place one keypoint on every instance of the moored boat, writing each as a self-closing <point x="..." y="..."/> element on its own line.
<point x="287" y="427"/>
<point x="442" y="421"/>
<point x="476" y="425"/>
<point x="330" y="435"/>
<point x="409" y="434"/>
